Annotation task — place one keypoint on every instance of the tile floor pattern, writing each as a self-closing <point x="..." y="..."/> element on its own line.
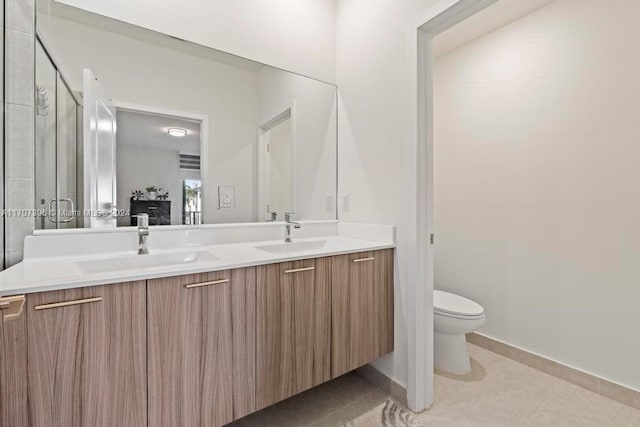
<point x="498" y="392"/>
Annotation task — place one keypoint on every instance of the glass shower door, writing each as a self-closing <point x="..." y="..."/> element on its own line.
<point x="45" y="144"/>
<point x="67" y="157"/>
<point x="56" y="147"/>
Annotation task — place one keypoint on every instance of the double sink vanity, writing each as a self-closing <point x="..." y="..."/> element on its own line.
<point x="215" y="323"/>
<point x="221" y="311"/>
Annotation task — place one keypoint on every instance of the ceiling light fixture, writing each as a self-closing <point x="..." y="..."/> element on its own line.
<point x="179" y="132"/>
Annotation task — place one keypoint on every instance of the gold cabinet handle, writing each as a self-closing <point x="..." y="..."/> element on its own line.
<point x="67" y="303"/>
<point x="213" y="282"/>
<point x="11" y="307"/>
<point x="371" y="258"/>
<point x="299" y="270"/>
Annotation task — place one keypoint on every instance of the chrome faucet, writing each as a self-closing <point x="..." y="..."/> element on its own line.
<point x="143" y="233"/>
<point x="287" y="226"/>
<point x="274" y="216"/>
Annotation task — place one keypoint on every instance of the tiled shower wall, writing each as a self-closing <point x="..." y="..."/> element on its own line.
<point x="19" y="124"/>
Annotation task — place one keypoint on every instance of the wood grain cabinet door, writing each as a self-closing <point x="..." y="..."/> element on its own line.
<point x="293" y="328"/>
<point x="14" y="403"/>
<point x="201" y="353"/>
<point x="87" y="356"/>
<point x="362" y="309"/>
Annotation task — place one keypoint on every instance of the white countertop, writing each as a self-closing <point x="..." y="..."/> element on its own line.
<point x="55" y="273"/>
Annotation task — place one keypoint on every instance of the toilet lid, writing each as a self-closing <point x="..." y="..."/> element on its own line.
<point x="448" y="303"/>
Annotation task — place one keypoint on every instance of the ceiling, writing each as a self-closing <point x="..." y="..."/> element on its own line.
<point x="150" y="130"/>
<point x="493" y="17"/>
<point x="60" y="10"/>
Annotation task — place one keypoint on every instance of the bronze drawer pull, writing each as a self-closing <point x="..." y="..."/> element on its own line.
<point x="11" y="307"/>
<point x="363" y="259"/>
<point x="299" y="270"/>
<point x="213" y="282"/>
<point x="67" y="303"/>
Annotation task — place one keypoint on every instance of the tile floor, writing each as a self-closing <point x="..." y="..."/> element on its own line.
<point x="501" y="392"/>
<point x="330" y="404"/>
<point x="498" y="392"/>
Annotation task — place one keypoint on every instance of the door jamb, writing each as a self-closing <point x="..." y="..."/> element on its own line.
<point x="287" y="111"/>
<point x="434" y="21"/>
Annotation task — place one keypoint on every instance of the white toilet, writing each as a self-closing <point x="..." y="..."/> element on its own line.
<point x="454" y="316"/>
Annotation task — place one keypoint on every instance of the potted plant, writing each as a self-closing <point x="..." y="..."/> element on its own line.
<point x="152" y="192"/>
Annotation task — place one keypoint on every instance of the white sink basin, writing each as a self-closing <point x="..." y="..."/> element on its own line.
<point x="285" y="248"/>
<point x="135" y="262"/>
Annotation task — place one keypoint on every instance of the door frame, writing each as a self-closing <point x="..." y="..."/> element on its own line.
<point x="92" y="98"/>
<point x="287" y="111"/>
<point x="438" y="18"/>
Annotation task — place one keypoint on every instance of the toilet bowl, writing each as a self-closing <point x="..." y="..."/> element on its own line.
<point x="454" y="316"/>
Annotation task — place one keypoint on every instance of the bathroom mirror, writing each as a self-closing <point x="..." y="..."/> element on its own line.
<point x="132" y="121"/>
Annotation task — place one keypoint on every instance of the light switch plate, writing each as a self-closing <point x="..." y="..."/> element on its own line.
<point x="226" y="197"/>
<point x="329" y="203"/>
<point x="346" y="202"/>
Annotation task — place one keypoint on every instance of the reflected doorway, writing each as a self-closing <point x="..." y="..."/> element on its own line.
<point x="278" y="164"/>
<point x="277" y="172"/>
<point x="158" y="168"/>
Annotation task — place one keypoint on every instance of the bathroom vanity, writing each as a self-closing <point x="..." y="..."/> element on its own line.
<point x="219" y="319"/>
<point x="245" y="327"/>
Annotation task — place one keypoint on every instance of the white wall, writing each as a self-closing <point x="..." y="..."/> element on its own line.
<point x="315" y="133"/>
<point x="372" y="75"/>
<point x="142" y="73"/>
<point x="293" y="35"/>
<point x="537" y="178"/>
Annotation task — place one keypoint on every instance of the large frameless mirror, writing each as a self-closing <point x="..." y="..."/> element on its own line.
<point x="131" y="121"/>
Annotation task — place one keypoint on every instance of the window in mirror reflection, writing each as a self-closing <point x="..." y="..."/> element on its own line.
<point x="192" y="202"/>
